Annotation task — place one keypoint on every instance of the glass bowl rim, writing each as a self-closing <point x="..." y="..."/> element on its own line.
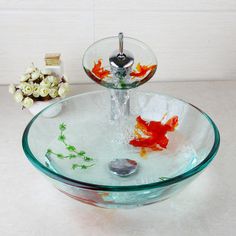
<point x="69" y="181"/>
<point x="114" y="37"/>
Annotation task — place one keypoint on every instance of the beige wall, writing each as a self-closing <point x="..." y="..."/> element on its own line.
<point x="193" y="40"/>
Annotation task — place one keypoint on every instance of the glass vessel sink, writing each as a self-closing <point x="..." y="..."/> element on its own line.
<point x="75" y="149"/>
<point x="102" y="57"/>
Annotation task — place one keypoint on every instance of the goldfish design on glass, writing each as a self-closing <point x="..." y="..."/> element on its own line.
<point x="152" y="134"/>
<point x="141" y="70"/>
<point x="99" y="71"/>
<point x="90" y="197"/>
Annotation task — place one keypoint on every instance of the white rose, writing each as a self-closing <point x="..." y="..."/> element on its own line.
<point x="53" y="93"/>
<point x="35" y="75"/>
<point x="27" y="89"/>
<point x="53" y="80"/>
<point x="63" y="89"/>
<point x="36" y="94"/>
<point x="44" y="91"/>
<point x="18" y="96"/>
<point x="66" y="85"/>
<point x="41" y="76"/>
<point x="36" y="90"/>
<point x="27" y="102"/>
<point x="36" y="87"/>
<point x="30" y="69"/>
<point x="50" y="78"/>
<point x="21" y="85"/>
<point x="45" y="83"/>
<point x="56" y="81"/>
<point x="12" y="88"/>
<point x="24" y="77"/>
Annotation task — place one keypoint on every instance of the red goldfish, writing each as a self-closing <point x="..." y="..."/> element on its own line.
<point x="99" y="71"/>
<point x="154" y="134"/>
<point x="142" y="70"/>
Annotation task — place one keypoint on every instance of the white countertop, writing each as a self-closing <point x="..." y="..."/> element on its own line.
<point x="30" y="206"/>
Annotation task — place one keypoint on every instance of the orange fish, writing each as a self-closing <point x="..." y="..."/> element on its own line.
<point x="142" y="70"/>
<point x="90" y="197"/>
<point x="99" y="71"/>
<point x="154" y="134"/>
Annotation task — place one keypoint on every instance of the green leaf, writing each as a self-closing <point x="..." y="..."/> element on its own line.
<point x="122" y="84"/>
<point x="72" y="156"/>
<point x="49" y="151"/>
<point x="71" y="148"/>
<point x="61" y="156"/>
<point x="61" y="137"/>
<point x="86" y="167"/>
<point x="86" y="158"/>
<point x="83" y="167"/>
<point x="81" y="153"/>
<point x="62" y="127"/>
<point x="75" y="166"/>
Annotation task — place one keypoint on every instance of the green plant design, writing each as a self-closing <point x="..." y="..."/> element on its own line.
<point x="75" y="166"/>
<point x="73" y="152"/>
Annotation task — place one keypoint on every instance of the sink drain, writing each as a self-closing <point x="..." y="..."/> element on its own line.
<point x="123" y="167"/>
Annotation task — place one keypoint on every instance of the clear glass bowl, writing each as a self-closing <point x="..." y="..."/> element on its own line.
<point x="102" y="50"/>
<point x="75" y="148"/>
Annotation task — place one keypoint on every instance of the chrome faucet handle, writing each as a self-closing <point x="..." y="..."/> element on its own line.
<point x="121" y="36"/>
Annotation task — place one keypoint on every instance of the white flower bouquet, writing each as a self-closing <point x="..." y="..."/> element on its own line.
<point x="36" y="85"/>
